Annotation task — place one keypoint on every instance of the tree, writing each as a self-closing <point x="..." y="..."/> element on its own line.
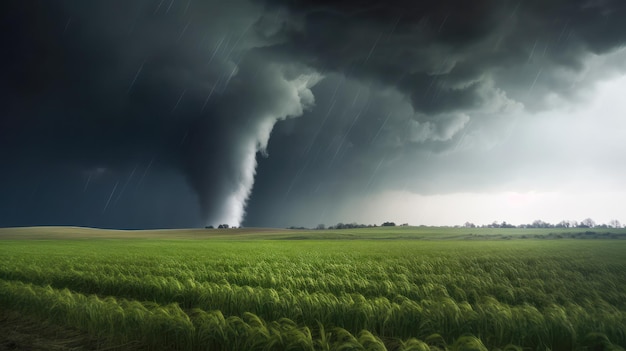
<point x="493" y="224"/>
<point x="538" y="223"/>
<point x="563" y="224"/>
<point x="320" y="226"/>
<point x="614" y="223"/>
<point x="389" y="224"/>
<point x="506" y="225"/>
<point x="587" y="223"/>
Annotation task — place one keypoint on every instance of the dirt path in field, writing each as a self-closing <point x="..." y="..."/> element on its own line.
<point x="18" y="332"/>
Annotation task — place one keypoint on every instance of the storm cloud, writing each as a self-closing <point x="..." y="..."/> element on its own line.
<point x="296" y="107"/>
<point x="118" y="81"/>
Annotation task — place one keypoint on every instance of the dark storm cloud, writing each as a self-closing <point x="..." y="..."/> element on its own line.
<point x="440" y="76"/>
<point x="441" y="53"/>
<point x="112" y="85"/>
<point x="199" y="85"/>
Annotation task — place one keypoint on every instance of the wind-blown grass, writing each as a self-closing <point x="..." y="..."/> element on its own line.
<point x="325" y="295"/>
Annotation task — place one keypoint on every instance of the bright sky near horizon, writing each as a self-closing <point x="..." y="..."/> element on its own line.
<point x="592" y="183"/>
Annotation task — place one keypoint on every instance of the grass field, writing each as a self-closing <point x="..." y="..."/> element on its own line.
<point x="397" y="288"/>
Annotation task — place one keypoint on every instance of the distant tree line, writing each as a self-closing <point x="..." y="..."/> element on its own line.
<point x="586" y="223"/>
<point x="352" y="225"/>
<point x="346" y="226"/>
<point x="221" y="226"/>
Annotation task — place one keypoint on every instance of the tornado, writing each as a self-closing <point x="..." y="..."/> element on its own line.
<point x="221" y="157"/>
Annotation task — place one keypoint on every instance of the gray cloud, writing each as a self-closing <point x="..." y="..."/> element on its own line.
<point x="386" y="92"/>
<point x="222" y="150"/>
<point x="442" y="54"/>
<point x="183" y="81"/>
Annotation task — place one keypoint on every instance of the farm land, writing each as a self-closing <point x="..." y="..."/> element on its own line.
<point x="402" y="288"/>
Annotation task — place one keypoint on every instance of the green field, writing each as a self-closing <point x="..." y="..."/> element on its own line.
<point x="397" y="288"/>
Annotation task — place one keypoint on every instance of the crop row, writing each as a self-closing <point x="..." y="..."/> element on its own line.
<point x="498" y="323"/>
<point x="514" y="280"/>
<point x="168" y="326"/>
<point x="534" y="296"/>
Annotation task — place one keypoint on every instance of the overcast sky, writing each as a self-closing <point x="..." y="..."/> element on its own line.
<point x="186" y="113"/>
